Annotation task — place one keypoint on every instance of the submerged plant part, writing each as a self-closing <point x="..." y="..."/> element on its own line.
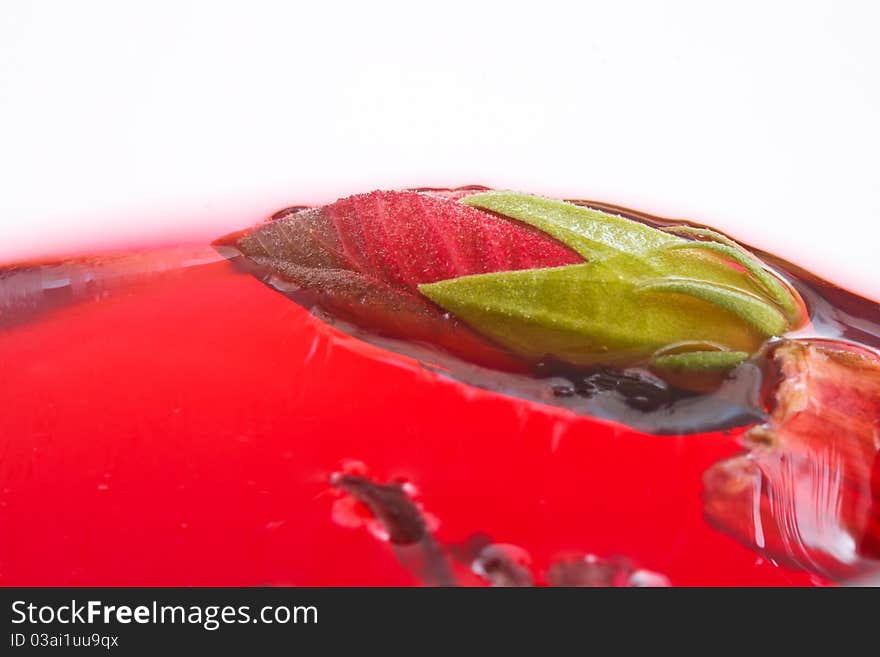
<point x="509" y="280"/>
<point x="807" y="494"/>
<point x="404" y="525"/>
<point x="399" y="519"/>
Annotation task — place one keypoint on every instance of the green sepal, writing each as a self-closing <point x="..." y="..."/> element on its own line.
<point x="727" y="248"/>
<point x="748" y="307"/>
<point x="591" y="233"/>
<point x="587" y="314"/>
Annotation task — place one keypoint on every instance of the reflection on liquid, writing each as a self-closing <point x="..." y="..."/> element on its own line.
<point x="807" y="493"/>
<point x="30" y="290"/>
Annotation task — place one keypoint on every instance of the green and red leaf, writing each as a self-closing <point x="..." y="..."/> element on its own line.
<point x="364" y="257"/>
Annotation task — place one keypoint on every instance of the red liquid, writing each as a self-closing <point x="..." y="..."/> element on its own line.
<point x="183" y="427"/>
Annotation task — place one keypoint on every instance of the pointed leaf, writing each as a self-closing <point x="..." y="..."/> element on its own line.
<point x="589" y="232"/>
<point x="587" y="314"/>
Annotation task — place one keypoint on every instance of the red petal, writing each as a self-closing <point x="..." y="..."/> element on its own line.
<point x="408" y="238"/>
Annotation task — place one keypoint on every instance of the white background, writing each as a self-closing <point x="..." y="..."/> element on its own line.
<point x="155" y="121"/>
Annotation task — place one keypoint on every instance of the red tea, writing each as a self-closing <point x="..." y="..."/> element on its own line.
<point x="171" y="420"/>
